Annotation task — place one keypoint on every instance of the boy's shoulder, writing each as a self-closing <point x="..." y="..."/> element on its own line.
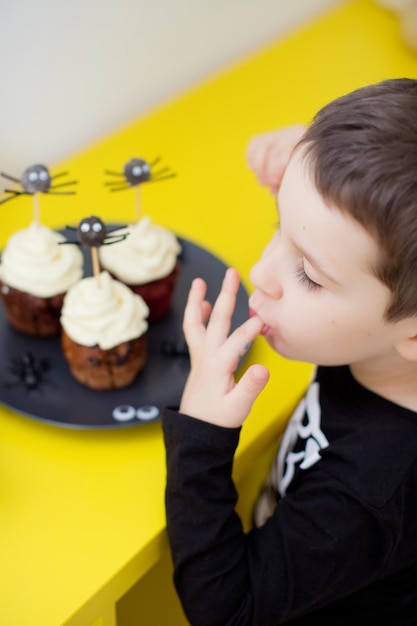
<point x="372" y="441"/>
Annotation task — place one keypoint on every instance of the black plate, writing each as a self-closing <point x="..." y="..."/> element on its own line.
<point x="61" y="400"/>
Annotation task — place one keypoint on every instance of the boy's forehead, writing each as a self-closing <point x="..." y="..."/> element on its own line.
<point x="318" y="225"/>
<point x="298" y="172"/>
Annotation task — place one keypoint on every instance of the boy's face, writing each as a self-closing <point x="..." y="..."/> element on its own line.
<point x="314" y="286"/>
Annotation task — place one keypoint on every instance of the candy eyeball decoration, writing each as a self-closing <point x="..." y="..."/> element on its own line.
<point x="91" y="232"/>
<point x="136" y="172"/>
<point x="36" y="179"/>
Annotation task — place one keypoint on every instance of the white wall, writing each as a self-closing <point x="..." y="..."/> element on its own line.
<point x="73" y="70"/>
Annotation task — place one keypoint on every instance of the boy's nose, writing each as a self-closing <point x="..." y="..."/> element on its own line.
<point x="264" y="277"/>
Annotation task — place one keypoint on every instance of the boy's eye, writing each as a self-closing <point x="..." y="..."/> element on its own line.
<point x="306" y="280"/>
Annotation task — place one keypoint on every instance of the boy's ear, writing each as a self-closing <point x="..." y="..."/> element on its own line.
<point x="407" y="347"/>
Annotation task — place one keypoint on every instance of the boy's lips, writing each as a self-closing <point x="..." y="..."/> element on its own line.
<point x="265" y="328"/>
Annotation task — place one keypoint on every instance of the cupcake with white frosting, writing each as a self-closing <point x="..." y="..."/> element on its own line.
<point x="147" y="262"/>
<point x="35" y="273"/>
<point x="104" y="326"/>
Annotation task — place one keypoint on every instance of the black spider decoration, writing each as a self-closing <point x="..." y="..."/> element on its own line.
<point x="92" y="233"/>
<point x="28" y="371"/>
<point x="174" y="348"/>
<point x="136" y="172"/>
<point x="36" y="179"/>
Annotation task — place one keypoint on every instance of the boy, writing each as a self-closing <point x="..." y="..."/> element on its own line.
<point x="336" y="286"/>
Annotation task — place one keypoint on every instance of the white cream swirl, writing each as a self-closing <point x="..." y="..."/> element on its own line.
<point x="34" y="262"/>
<point x="104" y="312"/>
<point x="148" y="253"/>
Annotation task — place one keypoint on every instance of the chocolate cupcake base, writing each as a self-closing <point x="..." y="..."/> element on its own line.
<point x="30" y="314"/>
<point x="102" y="370"/>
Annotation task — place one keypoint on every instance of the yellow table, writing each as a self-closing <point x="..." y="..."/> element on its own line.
<point x="82" y="525"/>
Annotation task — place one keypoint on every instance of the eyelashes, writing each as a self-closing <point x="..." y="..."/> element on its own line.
<point x="306" y="280"/>
<point x="301" y="275"/>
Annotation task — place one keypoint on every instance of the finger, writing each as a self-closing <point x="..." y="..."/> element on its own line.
<point x="220" y="320"/>
<point x="258" y="154"/>
<point x="253" y="152"/>
<point x="252" y="383"/>
<point x="281" y="151"/>
<point x="241" y="339"/>
<point x="195" y="313"/>
<point x="275" y="168"/>
<point x="205" y="311"/>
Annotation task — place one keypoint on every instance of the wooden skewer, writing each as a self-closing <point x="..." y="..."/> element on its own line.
<point x="96" y="265"/>
<point x="137" y="203"/>
<point x="36" y="210"/>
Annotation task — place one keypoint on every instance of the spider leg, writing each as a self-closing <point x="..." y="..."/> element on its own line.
<point x="16" y="192"/>
<point x="14" y="195"/>
<point x="120" y="188"/>
<point x="76" y="243"/>
<point x="158" y="179"/>
<point x="155" y="161"/>
<point x="61" y="193"/>
<point x="115" y="236"/>
<point x="115" y="183"/>
<point x="7" y="199"/>
<point x="114" y="173"/>
<point x="59" y="175"/>
<point x="70" y="182"/>
<point x="15" y="180"/>
<point x="162" y="171"/>
<point x="114" y="230"/>
<point x="115" y="240"/>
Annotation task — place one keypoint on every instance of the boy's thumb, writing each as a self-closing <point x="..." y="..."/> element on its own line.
<point x="253" y="382"/>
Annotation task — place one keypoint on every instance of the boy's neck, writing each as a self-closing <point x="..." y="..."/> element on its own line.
<point x="391" y="377"/>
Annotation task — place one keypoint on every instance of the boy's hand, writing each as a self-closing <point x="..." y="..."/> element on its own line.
<point x="211" y="393"/>
<point x="268" y="154"/>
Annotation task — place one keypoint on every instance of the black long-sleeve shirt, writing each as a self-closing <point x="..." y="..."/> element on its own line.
<point x="340" y="540"/>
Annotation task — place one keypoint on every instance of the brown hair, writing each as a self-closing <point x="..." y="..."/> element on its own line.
<point x="362" y="152"/>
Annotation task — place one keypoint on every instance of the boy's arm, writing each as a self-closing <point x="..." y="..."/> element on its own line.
<point x="320" y="545"/>
<point x="268" y="154"/>
<point x="285" y="568"/>
<point x="200" y="491"/>
<point x="200" y="498"/>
